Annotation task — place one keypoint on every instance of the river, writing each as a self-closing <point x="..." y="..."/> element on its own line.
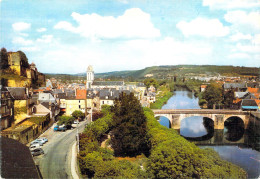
<point x="193" y="128"/>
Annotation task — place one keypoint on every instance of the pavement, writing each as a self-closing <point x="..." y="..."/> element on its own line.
<point x="60" y="155"/>
<point x="74" y="162"/>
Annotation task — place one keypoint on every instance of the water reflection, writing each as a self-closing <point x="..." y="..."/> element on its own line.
<point x="234" y="129"/>
<point x="246" y="158"/>
<point x="192" y="127"/>
<point x="180" y="100"/>
<point x="165" y="122"/>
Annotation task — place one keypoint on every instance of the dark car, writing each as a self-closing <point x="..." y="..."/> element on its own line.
<point x="37" y="151"/>
<point x="60" y="128"/>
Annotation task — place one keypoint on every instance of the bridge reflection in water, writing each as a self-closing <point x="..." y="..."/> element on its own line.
<point x="233" y="133"/>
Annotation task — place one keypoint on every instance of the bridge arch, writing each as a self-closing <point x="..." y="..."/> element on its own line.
<point x="168" y="117"/>
<point x="196" y="127"/>
<point x="235" y="126"/>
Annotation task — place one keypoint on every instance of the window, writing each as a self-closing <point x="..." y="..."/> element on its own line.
<point x="79" y="101"/>
<point x="79" y="106"/>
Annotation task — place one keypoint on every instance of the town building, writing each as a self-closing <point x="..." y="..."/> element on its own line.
<point x="6" y="108"/>
<point x="90" y="77"/>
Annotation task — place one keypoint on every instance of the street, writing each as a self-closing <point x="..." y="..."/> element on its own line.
<point x="56" y="160"/>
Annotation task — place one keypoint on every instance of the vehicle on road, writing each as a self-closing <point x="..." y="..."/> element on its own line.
<point x="36" y="142"/>
<point x="41" y="140"/>
<point x="75" y="123"/>
<point x="44" y="139"/>
<point x="36" y="152"/>
<point x="60" y="128"/>
<point x="34" y="146"/>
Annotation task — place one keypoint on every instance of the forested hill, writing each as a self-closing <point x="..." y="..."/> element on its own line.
<point x="168" y="71"/>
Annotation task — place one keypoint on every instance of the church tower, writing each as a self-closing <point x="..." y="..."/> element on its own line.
<point x="90" y="76"/>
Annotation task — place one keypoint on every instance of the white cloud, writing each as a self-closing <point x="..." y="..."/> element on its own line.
<point x="30" y="49"/>
<point x="45" y="39"/>
<point x="123" y="1"/>
<point x="140" y="52"/>
<point x="256" y="39"/>
<point x="41" y="30"/>
<point x="239" y="56"/>
<point x="248" y="48"/>
<point x="203" y="27"/>
<point x="21" y="26"/>
<point x="22" y="41"/>
<point x="243" y="20"/>
<point x="134" y="23"/>
<point x="66" y="26"/>
<point x="239" y="36"/>
<point x="231" y="4"/>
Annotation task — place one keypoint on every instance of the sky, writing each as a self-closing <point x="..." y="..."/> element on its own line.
<point x="63" y="36"/>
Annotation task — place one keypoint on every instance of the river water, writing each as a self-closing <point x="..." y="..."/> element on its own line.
<point x="192" y="128"/>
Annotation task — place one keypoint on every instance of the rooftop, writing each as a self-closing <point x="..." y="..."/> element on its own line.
<point x="108" y="83"/>
<point x="17" y="161"/>
<point x="17" y="93"/>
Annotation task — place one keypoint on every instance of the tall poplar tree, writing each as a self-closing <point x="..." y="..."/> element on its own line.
<point x="129" y="135"/>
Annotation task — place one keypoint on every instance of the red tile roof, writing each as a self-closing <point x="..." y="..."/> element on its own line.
<point x="81" y="94"/>
<point x="252" y="90"/>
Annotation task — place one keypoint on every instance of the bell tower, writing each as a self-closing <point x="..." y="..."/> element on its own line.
<point x="90" y="76"/>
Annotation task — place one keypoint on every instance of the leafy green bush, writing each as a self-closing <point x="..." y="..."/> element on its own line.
<point x="66" y="120"/>
<point x="161" y="101"/>
<point x="95" y="161"/>
<point x="77" y="114"/>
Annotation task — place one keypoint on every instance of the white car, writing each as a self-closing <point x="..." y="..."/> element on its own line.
<point x="75" y="123"/>
<point x="42" y="139"/>
<point x="34" y="146"/>
<point x="37" y="142"/>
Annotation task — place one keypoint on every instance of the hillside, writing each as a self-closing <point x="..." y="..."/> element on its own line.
<point x="162" y="72"/>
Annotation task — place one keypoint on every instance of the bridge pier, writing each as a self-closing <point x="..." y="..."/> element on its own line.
<point x="218" y="121"/>
<point x="176" y="122"/>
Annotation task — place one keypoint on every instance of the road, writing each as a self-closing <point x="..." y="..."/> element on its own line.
<point x="56" y="162"/>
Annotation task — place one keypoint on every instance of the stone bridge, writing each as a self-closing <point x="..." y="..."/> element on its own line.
<point x="219" y="116"/>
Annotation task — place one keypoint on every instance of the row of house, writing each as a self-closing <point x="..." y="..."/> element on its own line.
<point x="24" y="116"/>
<point x="247" y="95"/>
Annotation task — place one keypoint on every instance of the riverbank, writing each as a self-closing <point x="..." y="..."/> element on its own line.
<point x="162" y="96"/>
<point x="165" y="92"/>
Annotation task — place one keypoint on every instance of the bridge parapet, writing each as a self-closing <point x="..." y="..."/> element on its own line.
<point x="199" y="111"/>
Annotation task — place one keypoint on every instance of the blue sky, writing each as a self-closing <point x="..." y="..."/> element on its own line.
<point x="62" y="36"/>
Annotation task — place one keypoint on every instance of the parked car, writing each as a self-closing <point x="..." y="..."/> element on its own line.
<point x="75" y="123"/>
<point x="34" y="146"/>
<point x="41" y="140"/>
<point x="36" y="152"/>
<point x="44" y="139"/>
<point x="36" y="142"/>
<point x="60" y="128"/>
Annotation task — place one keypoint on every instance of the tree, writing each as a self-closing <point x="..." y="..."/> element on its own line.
<point x="66" y="120"/>
<point x="78" y="114"/>
<point x="129" y="135"/>
<point x="213" y="95"/>
<point x="24" y="59"/>
<point x="4" y="59"/>
<point x="96" y="115"/>
<point x="229" y="97"/>
<point x="151" y="81"/>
